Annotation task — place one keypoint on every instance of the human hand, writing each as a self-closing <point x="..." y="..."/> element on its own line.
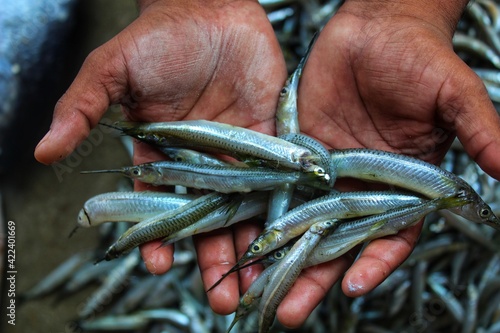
<point x="151" y="69"/>
<point x="386" y="77"/>
<point x="215" y="60"/>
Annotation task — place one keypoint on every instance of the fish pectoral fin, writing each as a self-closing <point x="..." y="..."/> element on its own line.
<point x="232" y="207"/>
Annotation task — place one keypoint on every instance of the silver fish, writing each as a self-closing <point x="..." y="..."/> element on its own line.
<point x="128" y="206"/>
<point x="412" y="174"/>
<point x="217" y="178"/>
<point x="162" y="225"/>
<point x="334" y="206"/>
<point x="288" y="270"/>
<point x="213" y="136"/>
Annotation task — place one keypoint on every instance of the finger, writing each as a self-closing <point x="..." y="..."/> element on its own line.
<point x="244" y="234"/>
<point x="101" y="81"/>
<point x="308" y="291"/>
<point x="215" y="257"/>
<point x="379" y="259"/>
<point x="465" y="104"/>
<point x="157" y="258"/>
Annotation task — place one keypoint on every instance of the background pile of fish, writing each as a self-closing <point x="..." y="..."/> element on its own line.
<point x="449" y="282"/>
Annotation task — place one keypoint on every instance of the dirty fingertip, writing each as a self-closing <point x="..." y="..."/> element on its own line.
<point x="361" y="281"/>
<point x="354" y="286"/>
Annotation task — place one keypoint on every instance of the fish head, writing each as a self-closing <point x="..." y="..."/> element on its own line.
<point x="83" y="219"/>
<point x="317" y="177"/>
<point x="480" y="212"/>
<point x="309" y="164"/>
<point x="474" y="208"/>
<point x="134" y="172"/>
<point x="484" y="214"/>
<point x="320" y="173"/>
<point x="111" y="254"/>
<point x="284" y="93"/>
<point x="145" y="173"/>
<point x="278" y="254"/>
<point x="288" y="94"/>
<point x="264" y="244"/>
<point x="145" y="136"/>
<point x="325" y="227"/>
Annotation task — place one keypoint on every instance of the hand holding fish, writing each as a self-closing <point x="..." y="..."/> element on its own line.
<point x="378" y="77"/>
<point x="383" y="78"/>
<point x="179" y="60"/>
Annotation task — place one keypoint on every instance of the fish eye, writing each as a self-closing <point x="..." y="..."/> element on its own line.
<point x="278" y="255"/>
<point x="141" y="135"/>
<point x="318" y="171"/>
<point x="284" y="91"/>
<point x="136" y="172"/>
<point x="178" y="159"/>
<point x="485" y="213"/>
<point x="256" y="248"/>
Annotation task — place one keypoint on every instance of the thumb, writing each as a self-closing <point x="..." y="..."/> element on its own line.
<point x="476" y="122"/>
<point x="100" y="81"/>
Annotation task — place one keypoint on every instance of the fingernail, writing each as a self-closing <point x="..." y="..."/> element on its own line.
<point x="44" y="139"/>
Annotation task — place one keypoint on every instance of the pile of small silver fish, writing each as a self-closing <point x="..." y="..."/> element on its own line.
<point x="449" y="282"/>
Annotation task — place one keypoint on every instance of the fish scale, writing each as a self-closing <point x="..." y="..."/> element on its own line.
<point x="334" y="206"/>
<point x="164" y="224"/>
<point x="212" y="135"/>
<point x="346" y="204"/>
<point x="288" y="270"/>
<point x="128" y="206"/>
<point x="224" y="179"/>
<point x="250" y="206"/>
<point x="400" y="170"/>
<point x="351" y="233"/>
<point x="412" y="174"/>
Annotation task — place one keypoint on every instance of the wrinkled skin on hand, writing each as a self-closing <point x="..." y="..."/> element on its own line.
<point x="390" y="83"/>
<point x="385" y="82"/>
<point x="179" y="60"/>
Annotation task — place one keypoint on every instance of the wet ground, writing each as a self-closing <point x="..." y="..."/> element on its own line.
<point x="44" y="201"/>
